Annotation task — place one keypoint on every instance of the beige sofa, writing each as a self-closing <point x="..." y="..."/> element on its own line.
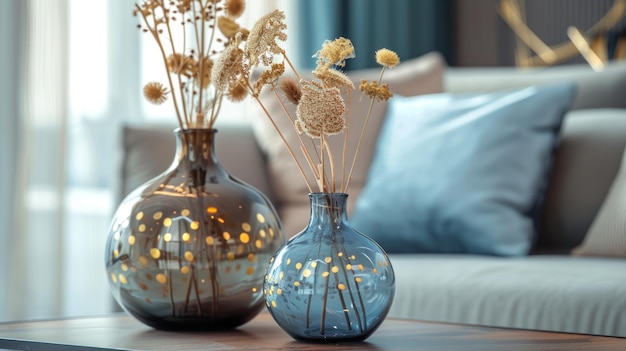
<point x="550" y="289"/>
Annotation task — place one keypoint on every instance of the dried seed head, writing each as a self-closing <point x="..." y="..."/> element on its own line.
<point x="334" y="53"/>
<point x="237" y="92"/>
<point x="333" y="78"/>
<point x="234" y="8"/>
<point x="291" y="89"/>
<point x="155" y="92"/>
<point x="387" y="58"/>
<point x="261" y="44"/>
<point x="227" y="26"/>
<point x="373" y="90"/>
<point x="227" y="68"/>
<point x="320" y="110"/>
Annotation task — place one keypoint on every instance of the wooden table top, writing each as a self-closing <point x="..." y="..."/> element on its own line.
<point x="122" y="332"/>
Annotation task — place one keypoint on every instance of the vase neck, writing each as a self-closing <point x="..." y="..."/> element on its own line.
<point x="328" y="209"/>
<point x="195" y="147"/>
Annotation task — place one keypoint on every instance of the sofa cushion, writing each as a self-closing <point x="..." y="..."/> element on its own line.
<point x="585" y="295"/>
<point x="607" y="235"/>
<point x="462" y="173"/>
<point x="417" y="76"/>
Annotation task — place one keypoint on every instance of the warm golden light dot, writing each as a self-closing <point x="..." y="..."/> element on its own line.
<point x="113" y="277"/>
<point x="281" y="275"/>
<point x="186" y="237"/>
<point x="157" y="215"/>
<point x="272" y="260"/>
<point x="259" y="244"/>
<point x="386" y="263"/>
<point x="141" y="228"/>
<point x="279" y="291"/>
<point x="122" y="279"/>
<point x="361" y="267"/>
<point x="131" y="240"/>
<point x="250" y="270"/>
<point x="328" y="259"/>
<point x="306" y="273"/>
<point x="348" y="266"/>
<point x="353" y="257"/>
<point x="139" y="215"/>
<point x="246" y="226"/>
<point x="116" y="253"/>
<point x="288" y="261"/>
<point x="155" y="253"/>
<point x="380" y="263"/>
<point x="189" y="256"/>
<point x="298" y="265"/>
<point x="143" y="260"/>
<point x="124" y="267"/>
<point x="273" y="303"/>
<point x="230" y="256"/>
<point x="341" y="286"/>
<point x="194" y="225"/>
<point x="185" y="212"/>
<point x="226" y="235"/>
<point x="167" y="237"/>
<point x="251" y="257"/>
<point x="260" y="218"/>
<point x="167" y="222"/>
<point x="296" y="284"/>
<point x="335" y="269"/>
<point x="325" y="274"/>
<point x="313" y="264"/>
<point x="209" y="240"/>
<point x="253" y="290"/>
<point x="211" y="210"/>
<point x="184" y="269"/>
<point x="262" y="233"/>
<point x="271" y="232"/>
<point x="358" y="279"/>
<point x="161" y="278"/>
<point x="244" y="238"/>
<point x="340" y="254"/>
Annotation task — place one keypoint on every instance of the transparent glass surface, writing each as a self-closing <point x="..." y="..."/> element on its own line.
<point x="189" y="248"/>
<point x="329" y="283"/>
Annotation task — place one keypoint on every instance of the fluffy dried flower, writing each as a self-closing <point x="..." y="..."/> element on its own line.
<point x="291" y="90"/>
<point x="155" y="92"/>
<point x="180" y="64"/>
<point x="333" y="78"/>
<point x="269" y="76"/>
<point x="234" y="8"/>
<point x="373" y="90"/>
<point x="261" y="44"/>
<point x="334" y="53"/>
<point x="227" y="68"/>
<point x="320" y="110"/>
<point x="387" y="58"/>
<point x="237" y="92"/>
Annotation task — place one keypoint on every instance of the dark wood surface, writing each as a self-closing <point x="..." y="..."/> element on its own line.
<point x="122" y="332"/>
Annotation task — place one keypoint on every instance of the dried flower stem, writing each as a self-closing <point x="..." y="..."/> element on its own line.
<point x="282" y="137"/>
<point x="367" y="118"/>
<point x="344" y="186"/>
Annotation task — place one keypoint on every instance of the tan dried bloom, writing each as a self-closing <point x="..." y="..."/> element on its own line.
<point x="373" y="90"/>
<point x="333" y="78"/>
<point x="227" y="26"/>
<point x="155" y="92"/>
<point x="261" y="44"/>
<point x="387" y="58"/>
<point x="180" y="64"/>
<point x="320" y="110"/>
<point x="227" y="68"/>
<point x="291" y="90"/>
<point x="269" y="76"/>
<point x="334" y="53"/>
<point x="237" y="92"/>
<point x="234" y="8"/>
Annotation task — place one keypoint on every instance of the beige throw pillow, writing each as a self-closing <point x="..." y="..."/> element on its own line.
<point x="422" y="75"/>
<point x="607" y="234"/>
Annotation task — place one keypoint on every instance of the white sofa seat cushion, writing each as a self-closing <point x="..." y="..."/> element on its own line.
<point x="553" y="293"/>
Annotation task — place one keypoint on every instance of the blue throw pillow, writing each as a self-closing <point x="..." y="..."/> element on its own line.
<point x="463" y="173"/>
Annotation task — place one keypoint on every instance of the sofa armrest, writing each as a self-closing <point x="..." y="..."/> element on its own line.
<point x="604" y="89"/>
<point x="149" y="149"/>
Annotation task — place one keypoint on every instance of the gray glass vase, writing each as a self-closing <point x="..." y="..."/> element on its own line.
<point x="188" y="250"/>
<point x="329" y="283"/>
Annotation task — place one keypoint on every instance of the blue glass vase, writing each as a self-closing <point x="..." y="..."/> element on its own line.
<point x="329" y="283"/>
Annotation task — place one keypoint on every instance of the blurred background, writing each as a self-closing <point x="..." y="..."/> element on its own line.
<point x="71" y="75"/>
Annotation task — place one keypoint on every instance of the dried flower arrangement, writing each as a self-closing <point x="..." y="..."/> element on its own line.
<point x="321" y="109"/>
<point x="190" y="35"/>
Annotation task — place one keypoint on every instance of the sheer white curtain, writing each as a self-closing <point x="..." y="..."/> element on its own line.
<point x="72" y="75"/>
